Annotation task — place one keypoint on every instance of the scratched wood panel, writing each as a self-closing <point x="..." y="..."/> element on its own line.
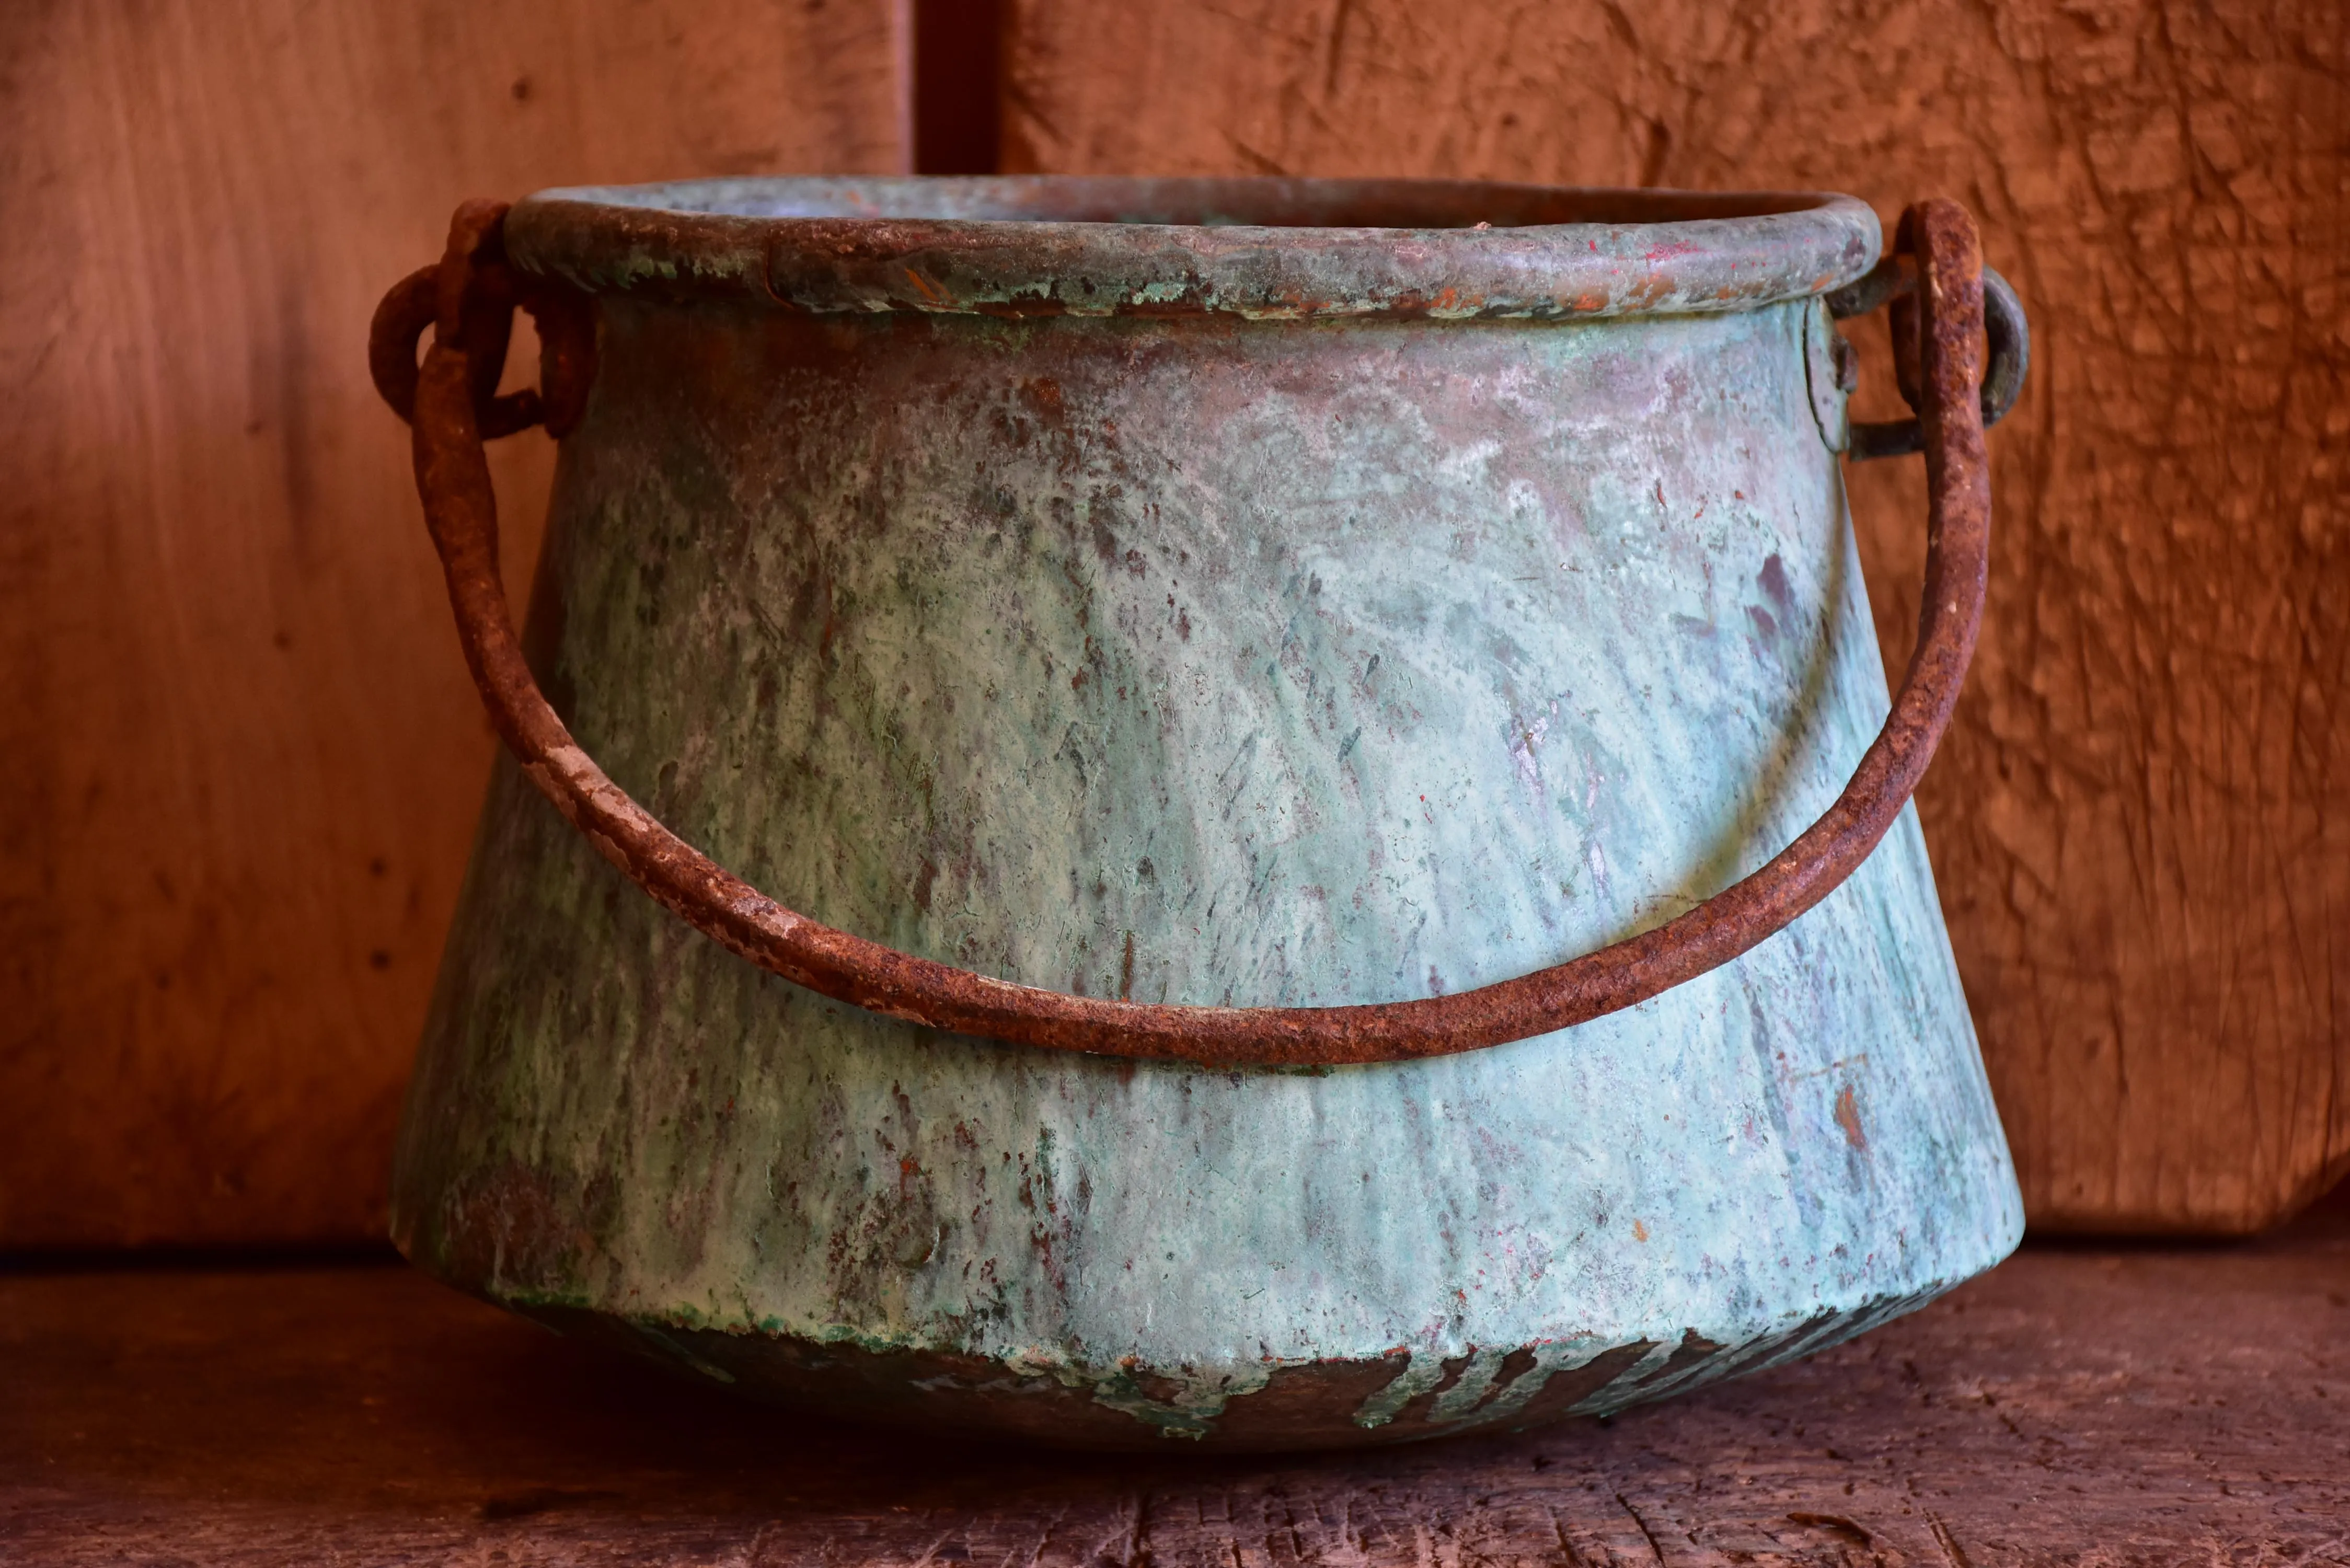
<point x="2141" y="822"/>
<point x="239" y="757"/>
<point x="2133" y="1407"/>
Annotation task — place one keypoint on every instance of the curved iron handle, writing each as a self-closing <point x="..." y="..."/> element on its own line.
<point x="469" y="298"/>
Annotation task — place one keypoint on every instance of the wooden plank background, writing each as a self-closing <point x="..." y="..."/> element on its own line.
<point x="2141" y="823"/>
<point x="239" y="757"/>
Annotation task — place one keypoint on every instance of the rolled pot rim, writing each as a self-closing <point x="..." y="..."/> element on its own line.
<point x="1260" y="248"/>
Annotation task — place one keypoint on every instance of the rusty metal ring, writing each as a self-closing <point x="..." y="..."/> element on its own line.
<point x="400" y="322"/>
<point x="2006" y="332"/>
<point x="453" y="479"/>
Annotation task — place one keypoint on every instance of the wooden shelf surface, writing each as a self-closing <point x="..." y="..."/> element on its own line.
<point x="2092" y="1404"/>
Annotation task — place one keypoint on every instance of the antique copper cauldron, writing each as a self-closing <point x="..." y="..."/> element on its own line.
<point x="1128" y="698"/>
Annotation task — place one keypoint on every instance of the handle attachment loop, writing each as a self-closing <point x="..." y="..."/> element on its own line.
<point x="2008" y="336"/>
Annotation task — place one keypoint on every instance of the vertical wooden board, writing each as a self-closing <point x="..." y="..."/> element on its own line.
<point x="239" y="757"/>
<point x="2141" y="823"/>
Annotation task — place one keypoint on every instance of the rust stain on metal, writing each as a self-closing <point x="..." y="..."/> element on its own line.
<point x="1847" y="1117"/>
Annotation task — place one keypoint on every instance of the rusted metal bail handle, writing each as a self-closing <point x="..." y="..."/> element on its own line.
<point x="450" y="400"/>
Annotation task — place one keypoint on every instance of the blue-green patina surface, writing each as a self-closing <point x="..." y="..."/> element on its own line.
<point x="1204" y="658"/>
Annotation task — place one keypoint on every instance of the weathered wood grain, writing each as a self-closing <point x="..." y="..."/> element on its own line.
<point x="2141" y="823"/>
<point x="239" y="757"/>
<point x="2139" y="1406"/>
